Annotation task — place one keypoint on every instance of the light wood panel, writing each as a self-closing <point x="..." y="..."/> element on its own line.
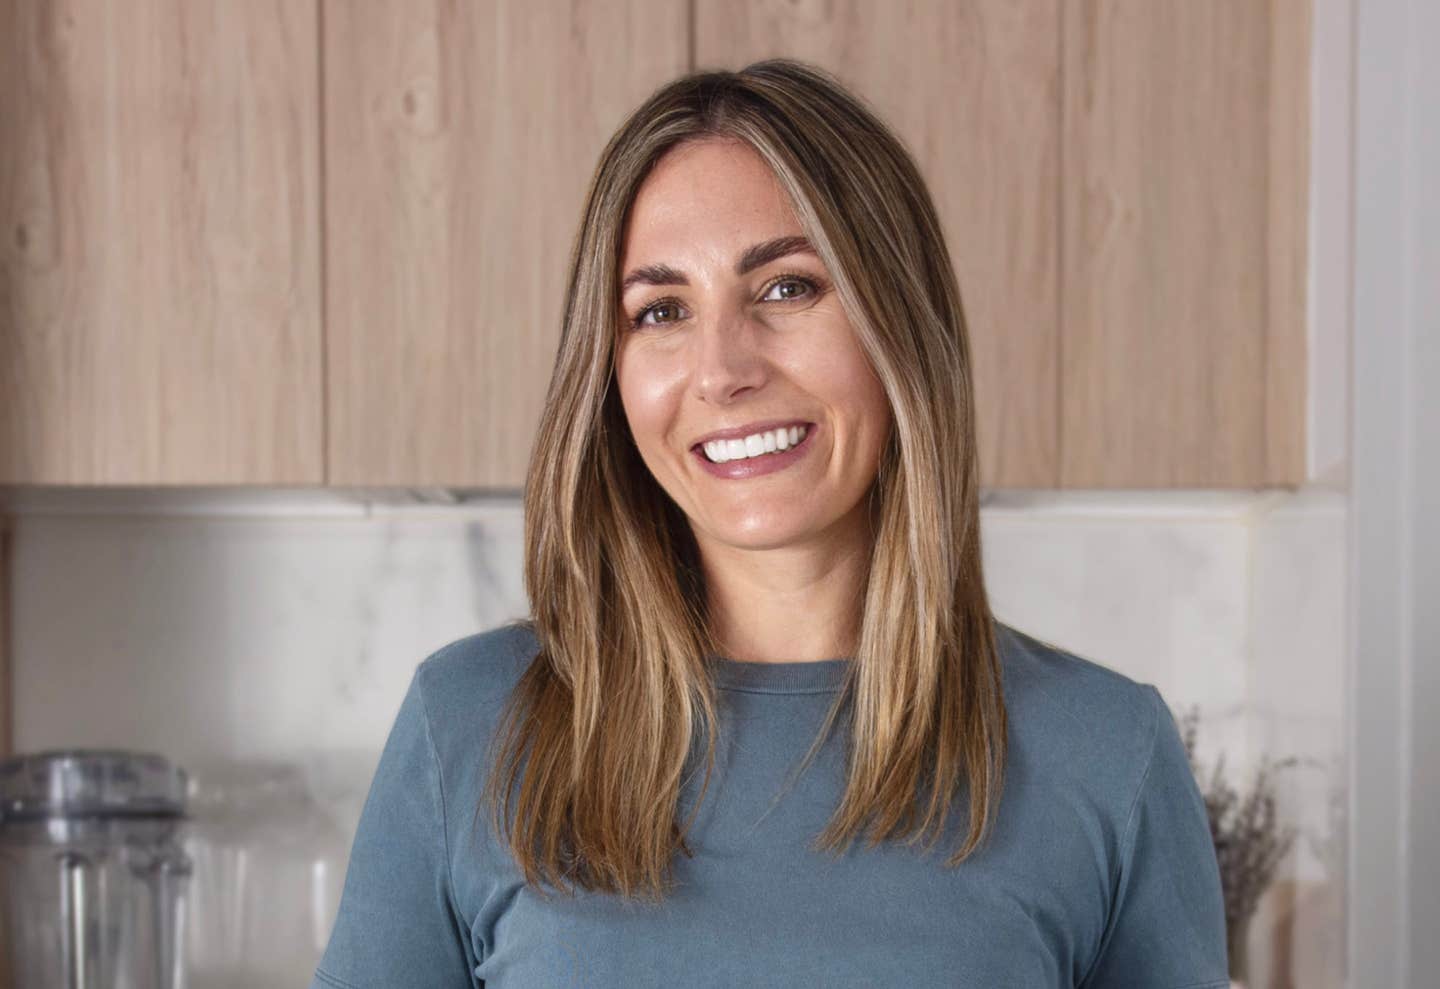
<point x="1183" y="243"/>
<point x="459" y="142"/>
<point x="159" y="242"/>
<point x="972" y="88"/>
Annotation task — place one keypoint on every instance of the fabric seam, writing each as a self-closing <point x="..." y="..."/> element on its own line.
<point x="1128" y="836"/>
<point x="325" y="976"/>
<point x="763" y="690"/>
<point x="440" y="781"/>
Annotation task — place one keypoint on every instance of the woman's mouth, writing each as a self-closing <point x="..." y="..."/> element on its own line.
<point x="767" y="457"/>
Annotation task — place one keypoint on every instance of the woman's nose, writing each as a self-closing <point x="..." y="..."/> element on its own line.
<point x="727" y="354"/>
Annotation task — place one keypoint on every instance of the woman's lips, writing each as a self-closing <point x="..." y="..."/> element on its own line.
<point x="766" y="463"/>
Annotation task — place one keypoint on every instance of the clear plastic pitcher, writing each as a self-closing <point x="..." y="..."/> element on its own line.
<point x="268" y="872"/>
<point x="93" y="875"/>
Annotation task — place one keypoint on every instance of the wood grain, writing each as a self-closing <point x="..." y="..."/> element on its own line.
<point x="1183" y="244"/>
<point x="459" y="140"/>
<point x="159" y="242"/>
<point x="971" y="88"/>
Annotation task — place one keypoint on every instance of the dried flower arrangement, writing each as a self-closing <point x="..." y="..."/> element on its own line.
<point x="1249" y="844"/>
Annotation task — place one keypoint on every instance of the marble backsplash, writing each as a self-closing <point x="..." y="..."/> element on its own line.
<point x="286" y="625"/>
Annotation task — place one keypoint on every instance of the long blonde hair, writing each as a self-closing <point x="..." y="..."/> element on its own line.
<point x="596" y="739"/>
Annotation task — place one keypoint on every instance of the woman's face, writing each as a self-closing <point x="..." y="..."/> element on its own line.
<point x="729" y="323"/>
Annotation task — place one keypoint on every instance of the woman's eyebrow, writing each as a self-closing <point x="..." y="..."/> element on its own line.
<point x="753" y="257"/>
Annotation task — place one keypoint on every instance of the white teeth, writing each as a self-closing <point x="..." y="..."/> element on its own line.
<point x="755" y="445"/>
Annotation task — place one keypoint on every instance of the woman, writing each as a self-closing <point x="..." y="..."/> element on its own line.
<point x="760" y="631"/>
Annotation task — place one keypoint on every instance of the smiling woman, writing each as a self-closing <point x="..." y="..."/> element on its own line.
<point x="739" y="363"/>
<point x="752" y="516"/>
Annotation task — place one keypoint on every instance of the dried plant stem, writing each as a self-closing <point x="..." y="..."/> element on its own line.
<point x="1249" y="842"/>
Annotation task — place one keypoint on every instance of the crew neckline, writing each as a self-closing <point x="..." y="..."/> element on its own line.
<point x="797" y="677"/>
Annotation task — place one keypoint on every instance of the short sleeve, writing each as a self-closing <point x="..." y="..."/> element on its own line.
<point x="397" y="924"/>
<point x="1166" y="928"/>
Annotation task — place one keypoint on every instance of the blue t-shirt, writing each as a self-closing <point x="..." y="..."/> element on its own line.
<point x="1101" y="872"/>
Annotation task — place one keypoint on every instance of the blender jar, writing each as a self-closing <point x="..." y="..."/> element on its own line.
<point x="93" y="874"/>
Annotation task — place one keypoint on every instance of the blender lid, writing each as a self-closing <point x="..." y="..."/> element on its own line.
<point x="90" y="783"/>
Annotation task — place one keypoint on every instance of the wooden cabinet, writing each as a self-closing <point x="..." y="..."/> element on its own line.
<point x="326" y="243"/>
<point x="1123" y="189"/>
<point x="159" y="243"/>
<point x="459" y="142"/>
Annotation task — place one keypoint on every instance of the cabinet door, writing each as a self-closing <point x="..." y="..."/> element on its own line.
<point x="971" y="87"/>
<point x="1183" y="293"/>
<point x="159" y="242"/>
<point x="459" y="141"/>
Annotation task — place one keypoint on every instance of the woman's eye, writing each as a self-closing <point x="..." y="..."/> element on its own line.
<point x="643" y="317"/>
<point x="790" y="288"/>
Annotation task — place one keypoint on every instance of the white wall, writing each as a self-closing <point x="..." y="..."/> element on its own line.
<point x="259" y="634"/>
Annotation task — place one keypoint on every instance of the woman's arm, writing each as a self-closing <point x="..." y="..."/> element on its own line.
<point x="1167" y="920"/>
<point x="398" y="924"/>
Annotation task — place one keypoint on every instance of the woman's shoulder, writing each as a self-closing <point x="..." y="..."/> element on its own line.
<point x="468" y="679"/>
<point x="1101" y="769"/>
<point x="1072" y="706"/>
